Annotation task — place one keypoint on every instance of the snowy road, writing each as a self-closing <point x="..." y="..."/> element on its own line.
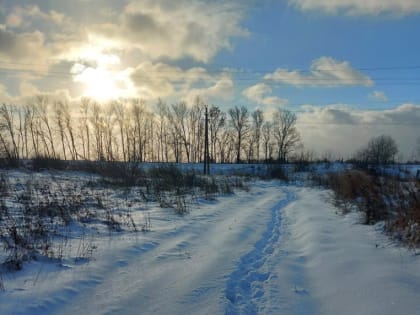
<point x="274" y="250"/>
<point x="215" y="261"/>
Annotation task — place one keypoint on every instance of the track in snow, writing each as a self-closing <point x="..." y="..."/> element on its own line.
<point x="245" y="285"/>
<point x="181" y="267"/>
<point x="185" y="270"/>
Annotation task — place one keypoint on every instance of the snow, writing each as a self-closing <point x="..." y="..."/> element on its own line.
<point x="350" y="268"/>
<point x="277" y="249"/>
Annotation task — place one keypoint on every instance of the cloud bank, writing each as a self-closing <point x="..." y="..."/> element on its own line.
<point x="324" y="128"/>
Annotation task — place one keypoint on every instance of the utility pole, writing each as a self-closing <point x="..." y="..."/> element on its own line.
<point x="206" y="144"/>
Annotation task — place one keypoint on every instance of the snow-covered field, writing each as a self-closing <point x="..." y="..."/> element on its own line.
<point x="276" y="249"/>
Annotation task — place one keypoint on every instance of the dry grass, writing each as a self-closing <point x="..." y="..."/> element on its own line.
<point x="380" y="198"/>
<point x="406" y="224"/>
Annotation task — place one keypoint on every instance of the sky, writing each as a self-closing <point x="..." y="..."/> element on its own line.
<point x="349" y="69"/>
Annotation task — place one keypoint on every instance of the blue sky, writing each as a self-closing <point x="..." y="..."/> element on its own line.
<point x="284" y="37"/>
<point x="348" y="68"/>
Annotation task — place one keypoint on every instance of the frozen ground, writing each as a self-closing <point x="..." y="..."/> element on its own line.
<point x="273" y="250"/>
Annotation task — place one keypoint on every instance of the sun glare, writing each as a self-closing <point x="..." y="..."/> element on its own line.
<point x="102" y="82"/>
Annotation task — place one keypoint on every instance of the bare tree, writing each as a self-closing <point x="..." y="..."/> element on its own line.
<point x="196" y="129"/>
<point x="27" y="114"/>
<point x="239" y="120"/>
<point x="173" y="140"/>
<point x="33" y="127"/>
<point x="226" y="146"/>
<point x="137" y="117"/>
<point x="180" y="115"/>
<point x="150" y="136"/>
<point x="266" y="136"/>
<point x="126" y="130"/>
<point x="119" y="111"/>
<point x="285" y="133"/>
<point x="96" y="119"/>
<point x="7" y="125"/>
<point x="68" y="122"/>
<point x="163" y="134"/>
<point x="254" y="146"/>
<point x="59" y="121"/>
<point x="217" y="122"/>
<point x="84" y="128"/>
<point x="379" y="150"/>
<point x="109" y="141"/>
<point x="42" y="105"/>
<point x="22" y="130"/>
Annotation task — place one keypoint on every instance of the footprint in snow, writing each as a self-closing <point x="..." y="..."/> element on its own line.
<point x="300" y="291"/>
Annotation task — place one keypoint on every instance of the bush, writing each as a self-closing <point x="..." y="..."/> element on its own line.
<point x="277" y="172"/>
<point x="168" y="177"/>
<point x="120" y="173"/>
<point x="379" y="150"/>
<point x="42" y="162"/>
<point x="364" y="190"/>
<point x="9" y="162"/>
<point x="380" y="198"/>
<point x="405" y="225"/>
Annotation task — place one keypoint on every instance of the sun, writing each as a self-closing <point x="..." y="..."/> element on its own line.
<point x="102" y="81"/>
<point x="100" y="85"/>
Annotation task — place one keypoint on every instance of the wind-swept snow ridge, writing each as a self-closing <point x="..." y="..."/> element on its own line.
<point x="245" y="284"/>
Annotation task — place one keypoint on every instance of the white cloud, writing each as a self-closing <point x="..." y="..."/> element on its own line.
<point x="155" y="80"/>
<point x="5" y="96"/>
<point x="260" y="93"/>
<point x="223" y="88"/>
<point x="361" y="7"/>
<point x="22" y="46"/>
<point x="25" y="16"/>
<point x="28" y="91"/>
<point x="31" y="40"/>
<point x="405" y="114"/>
<point x="13" y="20"/>
<point x="378" y="96"/>
<point x="35" y="41"/>
<point x="160" y="80"/>
<point x="324" y="72"/>
<point x="166" y="28"/>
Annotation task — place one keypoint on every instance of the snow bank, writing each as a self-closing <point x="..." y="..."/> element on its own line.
<point x="351" y="268"/>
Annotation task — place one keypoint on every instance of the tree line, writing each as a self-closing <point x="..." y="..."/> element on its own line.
<point x="128" y="130"/>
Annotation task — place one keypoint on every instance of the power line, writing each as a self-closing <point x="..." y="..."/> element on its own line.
<point x="224" y="69"/>
<point x="357" y="124"/>
<point x="354" y="107"/>
<point x="309" y="82"/>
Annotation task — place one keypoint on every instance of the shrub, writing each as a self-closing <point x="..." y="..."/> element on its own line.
<point x="277" y="172"/>
<point x="168" y="177"/>
<point x="43" y="162"/>
<point x="405" y="225"/>
<point x="120" y="173"/>
<point x="380" y="198"/>
<point x="181" y="204"/>
<point x="11" y="161"/>
<point x="364" y="190"/>
<point x="379" y="150"/>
